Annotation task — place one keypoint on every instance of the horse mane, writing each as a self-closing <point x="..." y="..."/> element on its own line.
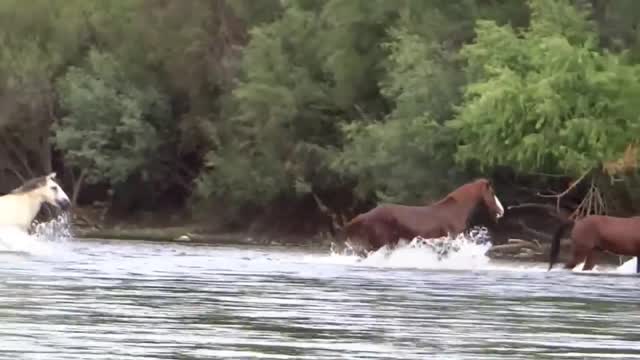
<point x="479" y="214"/>
<point x="461" y="190"/>
<point x="30" y="185"/>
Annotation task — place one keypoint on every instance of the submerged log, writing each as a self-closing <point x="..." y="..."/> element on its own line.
<point x="527" y="243"/>
<point x="513" y="246"/>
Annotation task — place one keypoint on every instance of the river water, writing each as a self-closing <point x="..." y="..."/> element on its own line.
<point x="89" y="300"/>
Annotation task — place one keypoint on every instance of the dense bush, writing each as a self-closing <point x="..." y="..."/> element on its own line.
<point x="242" y="102"/>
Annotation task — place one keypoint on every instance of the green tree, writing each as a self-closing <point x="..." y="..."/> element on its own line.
<point x="546" y="98"/>
<point x="408" y="156"/>
<point x="182" y="58"/>
<point x="294" y="89"/>
<point x="36" y="47"/>
<point x="109" y="131"/>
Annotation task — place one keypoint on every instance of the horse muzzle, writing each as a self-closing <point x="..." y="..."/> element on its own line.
<point x="64" y="204"/>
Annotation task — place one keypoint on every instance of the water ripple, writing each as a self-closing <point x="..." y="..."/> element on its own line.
<point x="103" y="300"/>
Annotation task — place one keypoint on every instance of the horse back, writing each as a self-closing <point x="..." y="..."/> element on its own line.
<point x="619" y="234"/>
<point x="411" y="221"/>
<point x="613" y="225"/>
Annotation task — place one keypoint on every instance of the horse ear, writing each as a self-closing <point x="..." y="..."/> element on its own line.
<point x="52" y="175"/>
<point x="488" y="184"/>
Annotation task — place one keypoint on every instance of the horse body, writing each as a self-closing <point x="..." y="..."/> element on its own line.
<point x="21" y="206"/>
<point x="16" y="212"/>
<point x="381" y="226"/>
<point x="387" y="224"/>
<point x="597" y="232"/>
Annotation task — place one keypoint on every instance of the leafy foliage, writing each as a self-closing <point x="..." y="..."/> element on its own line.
<point x="408" y="157"/>
<point x="548" y="99"/>
<point x="107" y="131"/>
<point x="401" y="160"/>
<point x="246" y="102"/>
<point x="294" y="90"/>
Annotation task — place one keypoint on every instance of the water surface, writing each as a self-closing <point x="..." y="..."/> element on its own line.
<point x="138" y="300"/>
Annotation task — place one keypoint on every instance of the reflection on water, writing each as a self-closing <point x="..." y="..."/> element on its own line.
<point x="101" y="300"/>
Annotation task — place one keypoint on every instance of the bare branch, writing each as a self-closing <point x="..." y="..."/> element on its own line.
<point x="558" y="197"/>
<point x="336" y="220"/>
<point x="77" y="185"/>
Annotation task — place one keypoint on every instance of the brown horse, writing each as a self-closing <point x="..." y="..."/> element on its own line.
<point x="388" y="223"/>
<point x="618" y="235"/>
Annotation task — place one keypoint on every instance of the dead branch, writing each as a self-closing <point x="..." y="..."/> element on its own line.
<point x="547" y="209"/>
<point x="558" y="197"/>
<point x="12" y="148"/>
<point x="628" y="162"/>
<point x="77" y="186"/>
<point x="593" y="203"/>
<point x="531" y="205"/>
<point x="16" y="173"/>
<point x="532" y="232"/>
<point x="337" y="222"/>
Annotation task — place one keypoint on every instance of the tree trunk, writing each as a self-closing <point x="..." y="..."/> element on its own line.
<point x="17" y="152"/>
<point x="45" y="155"/>
<point x="77" y="185"/>
<point x="45" y="142"/>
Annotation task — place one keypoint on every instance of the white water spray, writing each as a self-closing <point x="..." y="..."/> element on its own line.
<point x="626" y="268"/>
<point x="43" y="241"/>
<point x="461" y="252"/>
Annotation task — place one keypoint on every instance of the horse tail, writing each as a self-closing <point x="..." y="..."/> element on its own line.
<point x="555" y="241"/>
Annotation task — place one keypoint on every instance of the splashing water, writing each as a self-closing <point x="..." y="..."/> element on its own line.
<point x="42" y="241"/>
<point x="58" y="229"/>
<point x="461" y="252"/>
<point x="464" y="252"/>
<point x="628" y="267"/>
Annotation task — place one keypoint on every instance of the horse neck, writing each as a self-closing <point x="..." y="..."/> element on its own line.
<point x="35" y="203"/>
<point x="32" y="203"/>
<point x="466" y="206"/>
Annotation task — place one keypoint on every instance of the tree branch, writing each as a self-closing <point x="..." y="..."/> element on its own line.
<point x="12" y="150"/>
<point x="335" y="219"/>
<point x="530" y="205"/>
<point x="558" y="197"/>
<point x="77" y="185"/>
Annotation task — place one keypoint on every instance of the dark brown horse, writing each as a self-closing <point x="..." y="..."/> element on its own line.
<point x="593" y="233"/>
<point x="388" y="223"/>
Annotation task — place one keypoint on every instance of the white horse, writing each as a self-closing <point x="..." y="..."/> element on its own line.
<point x="20" y="206"/>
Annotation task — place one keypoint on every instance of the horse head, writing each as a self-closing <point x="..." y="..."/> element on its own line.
<point x="477" y="198"/>
<point x="47" y="189"/>
<point x="486" y="192"/>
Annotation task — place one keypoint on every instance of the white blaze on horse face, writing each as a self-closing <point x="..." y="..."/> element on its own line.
<point x="500" y="208"/>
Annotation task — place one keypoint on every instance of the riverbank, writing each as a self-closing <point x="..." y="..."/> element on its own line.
<point x="514" y="250"/>
<point x="180" y="226"/>
<point x="195" y="234"/>
<point x="176" y="228"/>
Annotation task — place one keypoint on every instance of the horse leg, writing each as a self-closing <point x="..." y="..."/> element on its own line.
<point x="387" y="236"/>
<point x="578" y="255"/>
<point x="360" y="237"/>
<point x="376" y="236"/>
<point x="372" y="241"/>
<point x="590" y="262"/>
